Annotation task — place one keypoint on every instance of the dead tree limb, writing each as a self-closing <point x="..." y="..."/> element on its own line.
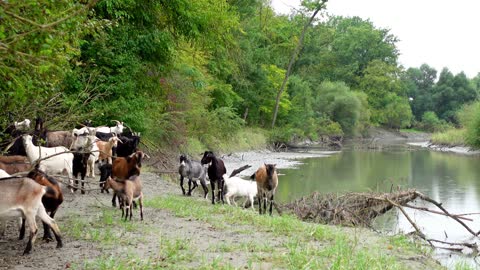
<point x="460" y="216"/>
<point x="439" y="205"/>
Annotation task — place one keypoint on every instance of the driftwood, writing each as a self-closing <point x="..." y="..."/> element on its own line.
<point x="357" y="209"/>
<point x="360" y="209"/>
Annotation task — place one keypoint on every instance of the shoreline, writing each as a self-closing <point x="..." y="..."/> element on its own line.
<point x="282" y="160"/>
<point x="462" y="150"/>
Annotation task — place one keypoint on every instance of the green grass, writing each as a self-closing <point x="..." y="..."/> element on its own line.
<point x="451" y="137"/>
<point x="333" y="248"/>
<point x="411" y="130"/>
<point x="275" y="241"/>
<point x="105" y="228"/>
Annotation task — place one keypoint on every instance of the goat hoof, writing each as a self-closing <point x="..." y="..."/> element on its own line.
<point x="47" y="239"/>
<point x="83" y="191"/>
<point x="59" y="245"/>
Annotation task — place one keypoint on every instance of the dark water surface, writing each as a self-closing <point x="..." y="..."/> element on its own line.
<point x="451" y="179"/>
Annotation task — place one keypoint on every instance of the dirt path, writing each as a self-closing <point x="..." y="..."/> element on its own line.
<point x="94" y="233"/>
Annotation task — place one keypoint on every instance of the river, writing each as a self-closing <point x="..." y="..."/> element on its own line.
<point x="451" y="179"/>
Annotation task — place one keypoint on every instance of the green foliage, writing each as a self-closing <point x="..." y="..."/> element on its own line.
<point x="329" y="128"/>
<point x="397" y="112"/>
<point x="450" y="93"/>
<point x="336" y="101"/>
<point x="470" y="118"/>
<point x="430" y="122"/>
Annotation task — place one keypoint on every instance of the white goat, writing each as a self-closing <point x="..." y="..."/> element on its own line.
<point x="117" y="129"/>
<point x="84" y="131"/>
<point x="59" y="164"/>
<point x="88" y="144"/>
<point x="237" y="186"/>
<point x="24" y="125"/>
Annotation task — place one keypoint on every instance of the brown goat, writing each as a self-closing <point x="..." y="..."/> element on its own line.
<point x="22" y="197"/>
<point x="267" y="182"/>
<point x="105" y="149"/>
<point x="125" y="167"/>
<point x="12" y="168"/>
<point x="52" y="199"/>
<point x="127" y="191"/>
<point x="13" y="159"/>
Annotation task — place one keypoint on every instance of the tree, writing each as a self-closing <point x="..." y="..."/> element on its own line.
<point x="380" y="82"/>
<point x="397" y="112"/>
<point x="37" y="43"/>
<point x="316" y="6"/>
<point x="419" y="83"/>
<point x="336" y="101"/>
<point x="450" y="93"/>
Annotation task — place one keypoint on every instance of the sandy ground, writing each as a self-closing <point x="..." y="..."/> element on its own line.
<point x="200" y="235"/>
<point x="46" y="256"/>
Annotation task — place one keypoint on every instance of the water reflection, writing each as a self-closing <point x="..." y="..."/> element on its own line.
<point x="451" y="179"/>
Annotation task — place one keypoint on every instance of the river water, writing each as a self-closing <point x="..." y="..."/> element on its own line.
<point x="452" y="179"/>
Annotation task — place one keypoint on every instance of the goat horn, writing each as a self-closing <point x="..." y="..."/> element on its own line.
<point x="118" y="122"/>
<point x="131" y="131"/>
<point x="147" y="156"/>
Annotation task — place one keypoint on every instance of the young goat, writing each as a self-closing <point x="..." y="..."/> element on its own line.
<point x="237" y="186"/>
<point x="105" y="149"/>
<point x="124" y="168"/>
<point x="192" y="170"/>
<point x="127" y="191"/>
<point x="267" y="182"/>
<point x="52" y="199"/>
<point x="22" y="197"/>
<point x="216" y="170"/>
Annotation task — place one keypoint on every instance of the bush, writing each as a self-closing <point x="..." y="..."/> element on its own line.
<point x="431" y="122"/>
<point x="328" y="127"/>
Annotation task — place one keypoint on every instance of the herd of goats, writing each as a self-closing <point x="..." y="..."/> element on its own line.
<point x="28" y="188"/>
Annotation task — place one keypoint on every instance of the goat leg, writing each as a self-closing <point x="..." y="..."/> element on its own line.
<point x="22" y="230"/>
<point x="204" y="186"/>
<point x="181" y="184"/>
<point x="220" y="191"/>
<point x="189" y="187"/>
<point x="140" y="202"/>
<point x="271" y="204"/>
<point x="259" y="204"/>
<point x="46" y="229"/>
<point x="212" y="183"/>
<point x="114" y="202"/>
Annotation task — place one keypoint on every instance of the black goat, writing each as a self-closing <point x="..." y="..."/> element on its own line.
<point x="80" y="161"/>
<point x="127" y="145"/>
<point x="216" y="170"/>
<point x="105" y="173"/>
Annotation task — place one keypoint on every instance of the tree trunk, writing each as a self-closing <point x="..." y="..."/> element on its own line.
<point x="294" y="57"/>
